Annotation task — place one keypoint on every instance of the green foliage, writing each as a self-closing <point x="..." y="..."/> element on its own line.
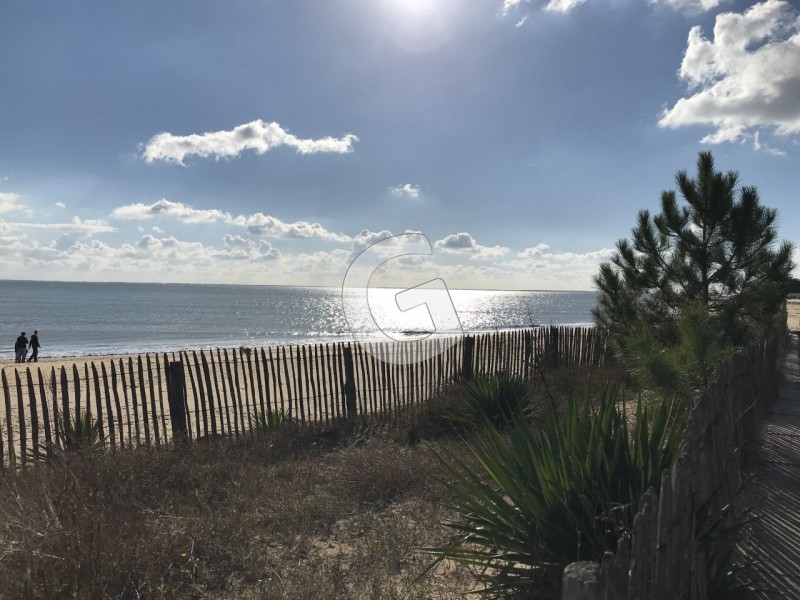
<point x="268" y="420"/>
<point x="542" y="497"/>
<point x="719" y="250"/>
<point x="497" y="398"/>
<point x="719" y="529"/>
<point x="79" y="434"/>
<point x="681" y="370"/>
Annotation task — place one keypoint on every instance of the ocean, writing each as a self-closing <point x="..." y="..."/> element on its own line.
<point x="80" y="319"/>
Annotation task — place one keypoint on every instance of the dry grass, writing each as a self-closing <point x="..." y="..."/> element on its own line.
<point x="259" y="518"/>
<point x="292" y="513"/>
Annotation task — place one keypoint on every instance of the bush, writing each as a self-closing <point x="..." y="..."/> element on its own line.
<point x="544" y="497"/>
<point x="498" y="398"/>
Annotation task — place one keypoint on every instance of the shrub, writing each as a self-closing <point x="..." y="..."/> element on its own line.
<point x="80" y="433"/>
<point x="268" y="420"/>
<point x="498" y="399"/>
<point x="541" y="498"/>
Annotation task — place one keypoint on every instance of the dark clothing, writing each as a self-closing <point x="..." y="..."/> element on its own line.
<point x="34" y="345"/>
<point x="21" y="348"/>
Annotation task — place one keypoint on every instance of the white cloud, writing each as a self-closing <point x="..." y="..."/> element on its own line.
<point x="61" y="205"/>
<point x="269" y="226"/>
<point x="178" y="210"/>
<point x="87" y="227"/>
<point x="406" y="190"/>
<point x="562" y="6"/>
<point x="691" y="6"/>
<point x="10" y="203"/>
<point x="257" y="136"/>
<point x="747" y="78"/>
<point x="368" y="238"/>
<point x="239" y="248"/>
<point x="553" y="6"/>
<point x="464" y="243"/>
<point x="540" y="254"/>
<point x="257" y="223"/>
<point x="157" y="229"/>
<point x="759" y="147"/>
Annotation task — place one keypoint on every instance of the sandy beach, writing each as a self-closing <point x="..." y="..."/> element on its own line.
<point x="793" y="315"/>
<point x="47" y="363"/>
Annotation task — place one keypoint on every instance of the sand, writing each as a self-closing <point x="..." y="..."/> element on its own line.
<point x="45" y="363"/>
<point x="793" y="314"/>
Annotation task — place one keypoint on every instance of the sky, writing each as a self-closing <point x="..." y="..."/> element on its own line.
<point x="269" y="142"/>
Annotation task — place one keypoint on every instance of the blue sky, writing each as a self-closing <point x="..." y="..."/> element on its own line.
<point x="269" y="142"/>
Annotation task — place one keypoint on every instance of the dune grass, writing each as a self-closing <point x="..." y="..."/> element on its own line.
<point x="289" y="512"/>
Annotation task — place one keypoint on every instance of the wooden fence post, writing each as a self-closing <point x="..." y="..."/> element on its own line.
<point x="176" y="386"/>
<point x="349" y="383"/>
<point x="580" y="581"/>
<point x="467" y="356"/>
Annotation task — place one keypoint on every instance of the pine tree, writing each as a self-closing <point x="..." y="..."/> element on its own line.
<point x="719" y="249"/>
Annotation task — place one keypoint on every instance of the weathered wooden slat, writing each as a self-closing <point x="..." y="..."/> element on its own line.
<point x="260" y="381"/>
<point x="331" y="351"/>
<point x="249" y="359"/>
<point x="298" y="384"/>
<point x="200" y="391"/>
<point x="239" y="394"/>
<point x="65" y="412"/>
<point x="362" y="381"/>
<point x="116" y="401"/>
<point x="76" y="387"/>
<point x="99" y="403"/>
<point x="288" y="381"/>
<point x="9" y="427"/>
<point x="224" y="397"/>
<point x="317" y="366"/>
<point x="34" y="414"/>
<point x="234" y="394"/>
<point x="143" y="395"/>
<point x="48" y="439"/>
<point x="125" y="397"/>
<point x="195" y="404"/>
<point x="312" y="384"/>
<point x="153" y="409"/>
<point x="21" y="420"/>
<point x="162" y="412"/>
<point x="56" y="416"/>
<point x="279" y="383"/>
<point x="349" y="391"/>
<point x="97" y="400"/>
<point x="209" y="393"/>
<point x="325" y="374"/>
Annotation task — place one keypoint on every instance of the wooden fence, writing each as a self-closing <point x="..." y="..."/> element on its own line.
<point x="132" y="400"/>
<point x="662" y="558"/>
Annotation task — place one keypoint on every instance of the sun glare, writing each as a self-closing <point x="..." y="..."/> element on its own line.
<point x="418" y="25"/>
<point x="417" y="8"/>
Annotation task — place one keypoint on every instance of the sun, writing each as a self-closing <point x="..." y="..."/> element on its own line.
<point x="413" y="9"/>
<point x="418" y="25"/>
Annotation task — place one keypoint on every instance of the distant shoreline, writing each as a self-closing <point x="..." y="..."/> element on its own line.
<point x="87" y="358"/>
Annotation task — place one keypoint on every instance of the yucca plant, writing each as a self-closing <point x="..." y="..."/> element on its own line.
<point x="542" y="497"/>
<point x="268" y="420"/>
<point x="497" y="398"/>
<point x="80" y="433"/>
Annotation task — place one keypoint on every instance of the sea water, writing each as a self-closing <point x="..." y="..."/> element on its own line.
<point x="76" y="319"/>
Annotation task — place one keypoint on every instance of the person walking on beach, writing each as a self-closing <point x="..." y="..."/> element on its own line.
<point x="21" y="348"/>
<point x="34" y="345"/>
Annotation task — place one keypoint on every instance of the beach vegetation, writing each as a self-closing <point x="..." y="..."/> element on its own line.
<point x="497" y="398"/>
<point x="536" y="496"/>
<point x="269" y="419"/>
<point x="717" y="247"/>
<point x="79" y="433"/>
